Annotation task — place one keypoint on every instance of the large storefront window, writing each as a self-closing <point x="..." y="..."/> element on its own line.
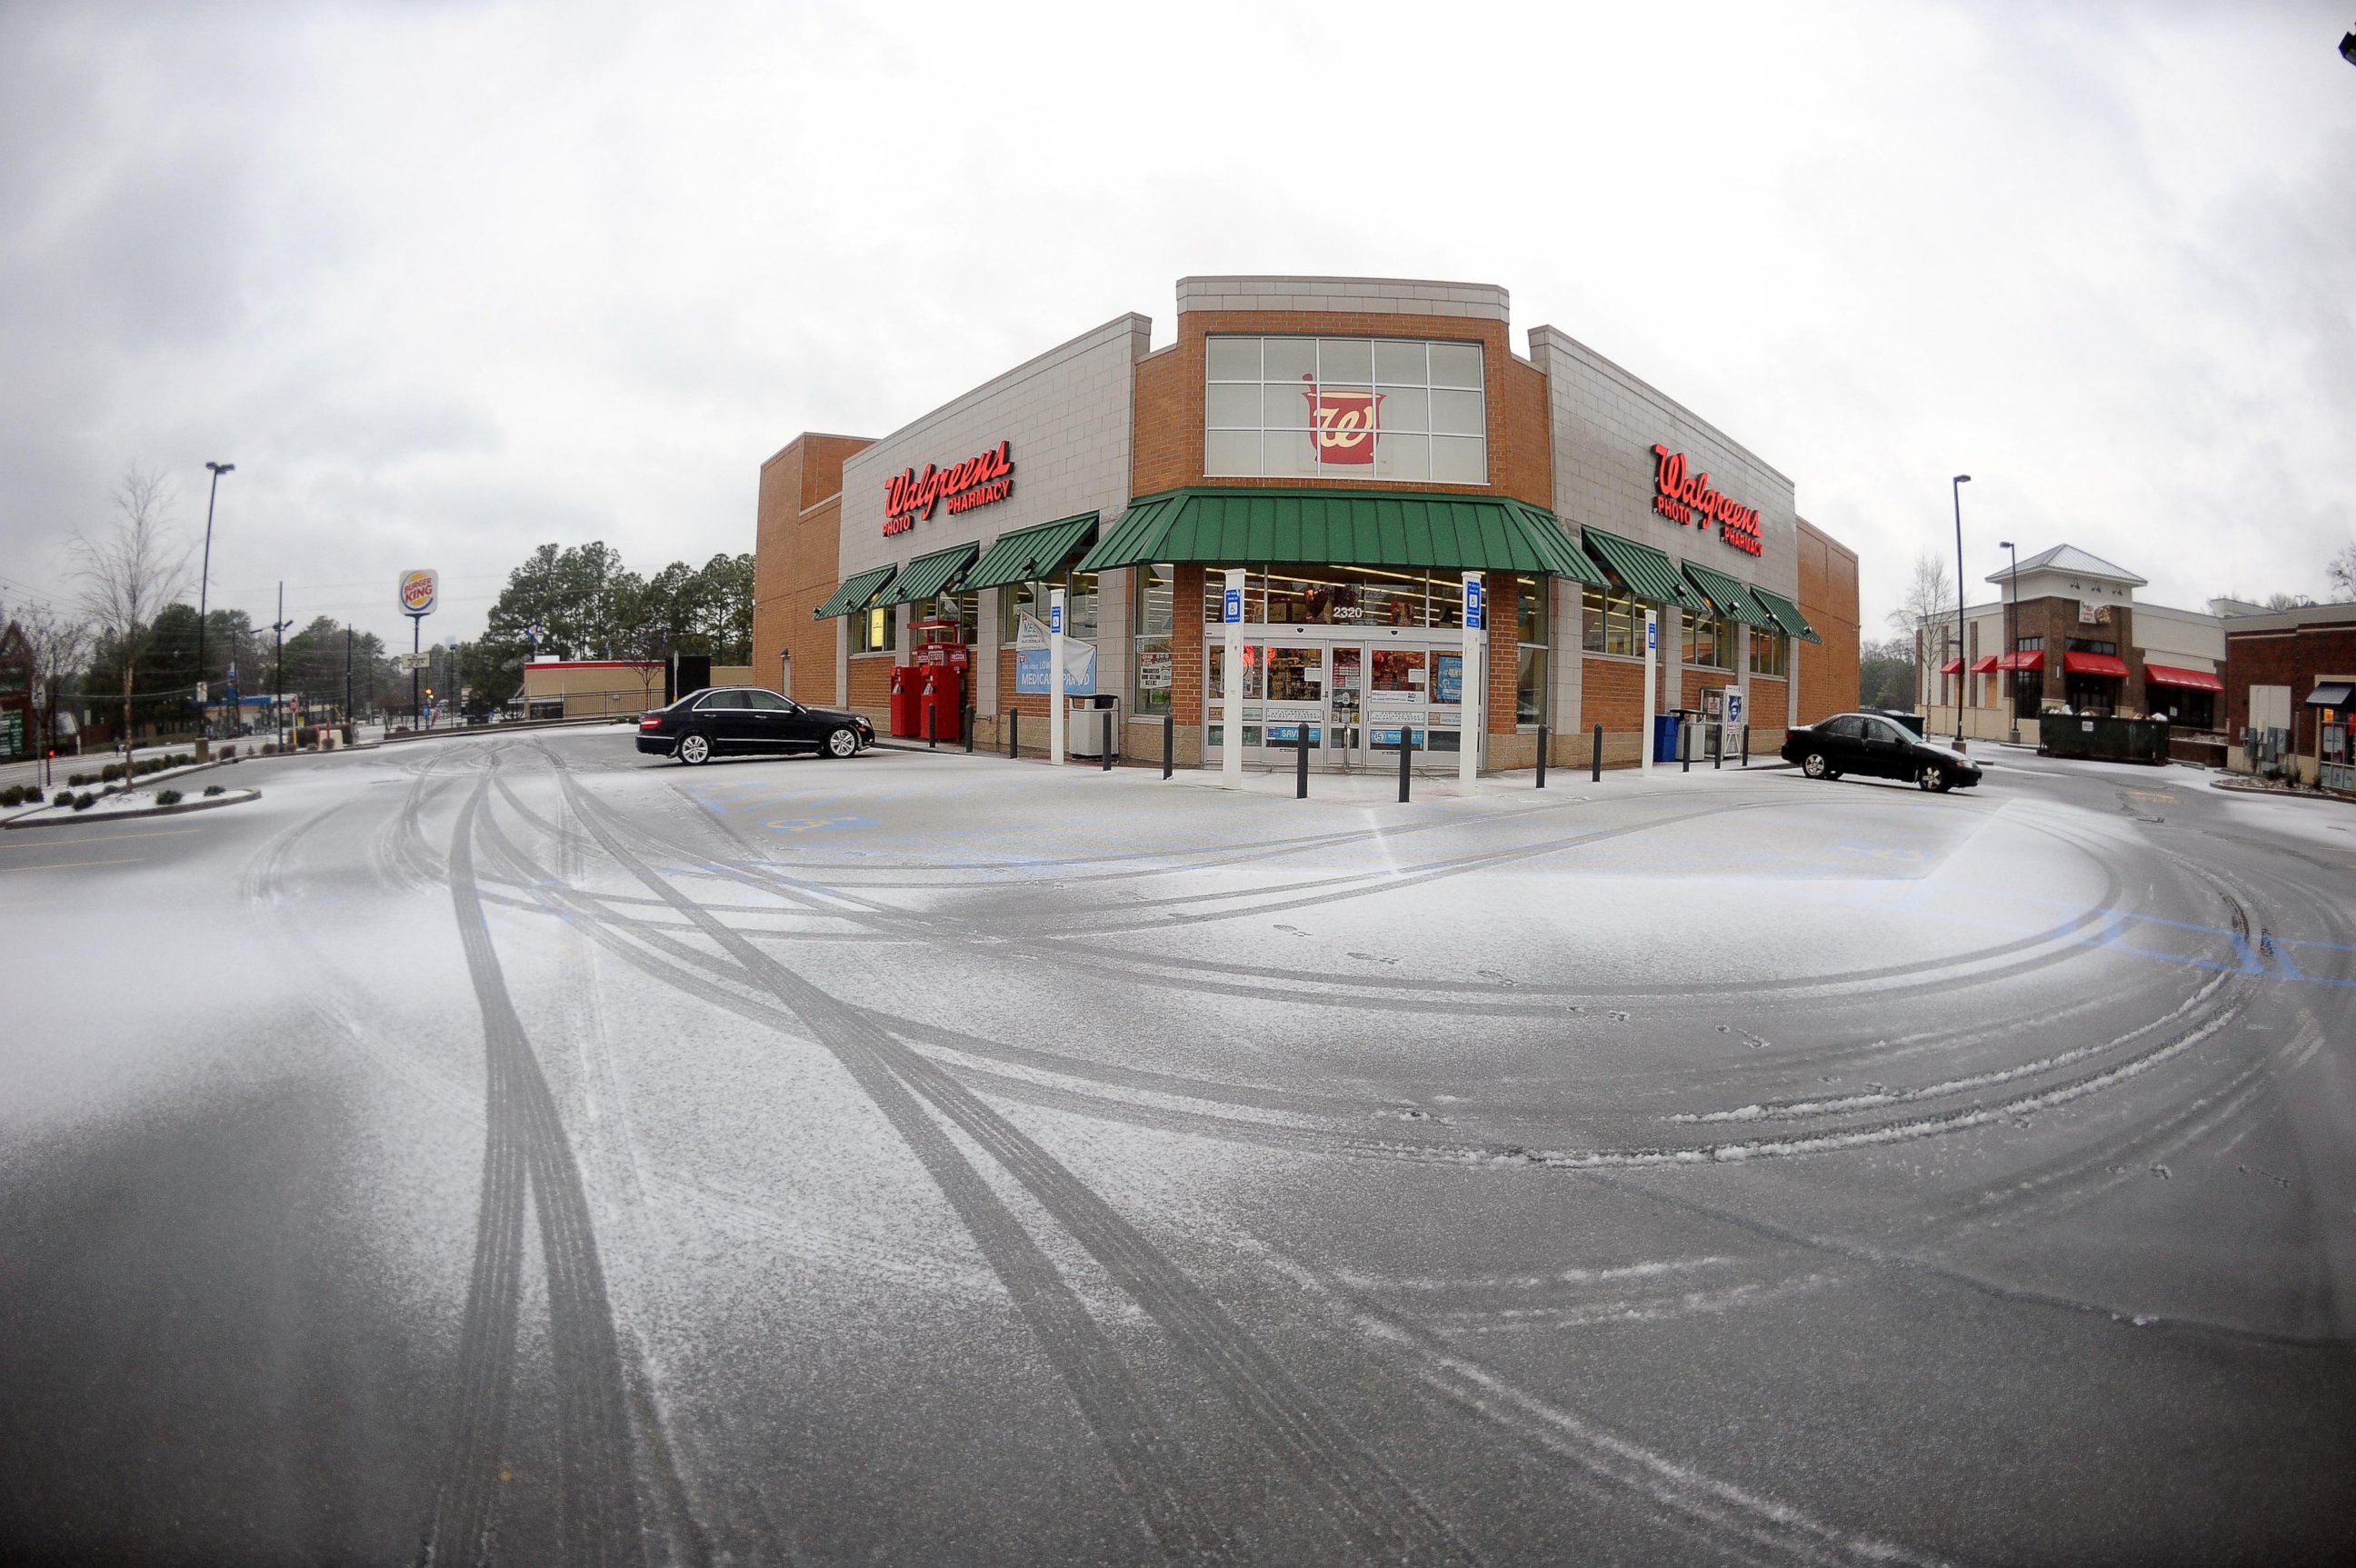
<point x="1345" y="408"/>
<point x="1709" y="641"/>
<point x="874" y="631"/>
<point x="2179" y="706"/>
<point x="1771" y="652"/>
<point x="1530" y="653"/>
<point x="962" y="610"/>
<point x="1612" y="621"/>
<point x="1019" y="599"/>
<point x="1156" y="599"/>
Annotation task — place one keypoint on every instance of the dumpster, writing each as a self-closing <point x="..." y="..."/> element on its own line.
<point x="2103" y="740"/>
<point x="1914" y="722"/>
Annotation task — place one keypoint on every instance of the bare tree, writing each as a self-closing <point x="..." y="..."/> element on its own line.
<point x="1926" y="610"/>
<point x="2342" y="570"/>
<point x="58" y="646"/>
<point x="130" y="572"/>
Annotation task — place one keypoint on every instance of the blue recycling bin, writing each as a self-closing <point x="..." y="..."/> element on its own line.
<point x="1664" y="737"/>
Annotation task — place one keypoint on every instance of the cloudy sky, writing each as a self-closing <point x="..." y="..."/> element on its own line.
<point x="445" y="281"/>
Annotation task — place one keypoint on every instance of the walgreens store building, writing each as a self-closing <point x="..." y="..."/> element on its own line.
<point x="1354" y="447"/>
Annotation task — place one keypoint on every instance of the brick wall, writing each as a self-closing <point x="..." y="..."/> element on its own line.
<point x="797" y="531"/>
<point x="2293" y="655"/>
<point x="1827" y="674"/>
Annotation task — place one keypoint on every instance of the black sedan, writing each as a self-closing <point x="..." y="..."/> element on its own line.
<point x="747" y="721"/>
<point x="1874" y="747"/>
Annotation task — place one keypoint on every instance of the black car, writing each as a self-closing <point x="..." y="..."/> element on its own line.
<point x="1875" y="748"/>
<point x="747" y="721"/>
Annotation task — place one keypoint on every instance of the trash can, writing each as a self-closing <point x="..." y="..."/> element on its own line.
<point x="1085" y="736"/>
<point x="1665" y="736"/>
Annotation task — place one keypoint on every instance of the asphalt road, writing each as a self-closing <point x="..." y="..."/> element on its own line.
<point x="518" y="1150"/>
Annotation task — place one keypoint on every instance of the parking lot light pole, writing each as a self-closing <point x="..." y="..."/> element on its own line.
<point x="204" y="577"/>
<point x="2012" y="633"/>
<point x="1961" y="480"/>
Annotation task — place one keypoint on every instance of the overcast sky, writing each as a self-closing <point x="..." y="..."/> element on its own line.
<point x="448" y="280"/>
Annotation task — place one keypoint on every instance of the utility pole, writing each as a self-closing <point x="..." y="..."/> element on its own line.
<point x="278" y="700"/>
<point x="2012" y="639"/>
<point x="204" y="577"/>
<point x="347" y="671"/>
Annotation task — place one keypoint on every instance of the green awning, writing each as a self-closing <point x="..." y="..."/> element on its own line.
<point x="1729" y="598"/>
<point x="929" y="575"/>
<point x="1235" y="526"/>
<point x="856" y="594"/>
<point x="1649" y="573"/>
<point x="1787" y="615"/>
<point x="1031" y="555"/>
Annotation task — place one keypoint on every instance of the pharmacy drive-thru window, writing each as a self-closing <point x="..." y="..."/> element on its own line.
<point x="1051" y="552"/>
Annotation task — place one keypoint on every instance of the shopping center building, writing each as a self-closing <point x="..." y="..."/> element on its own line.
<point x="1355" y="447"/>
<point x="2064" y="630"/>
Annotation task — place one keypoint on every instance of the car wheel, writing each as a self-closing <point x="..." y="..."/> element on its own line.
<point x="693" y="750"/>
<point x="1815" y="766"/>
<point x="842" y="742"/>
<point x="1933" y="778"/>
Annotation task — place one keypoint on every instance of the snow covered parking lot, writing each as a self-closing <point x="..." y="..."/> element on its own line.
<point x="923" y="1158"/>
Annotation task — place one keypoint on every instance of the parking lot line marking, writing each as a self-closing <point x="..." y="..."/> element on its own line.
<point x="108" y="838"/>
<point x="70" y="864"/>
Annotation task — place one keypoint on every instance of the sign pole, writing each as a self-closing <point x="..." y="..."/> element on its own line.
<point x="1652" y="641"/>
<point x="1475" y="685"/>
<point x="1231" y="681"/>
<point x="1055" y="676"/>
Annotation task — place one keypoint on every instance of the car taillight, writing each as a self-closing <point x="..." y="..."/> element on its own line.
<point x="652" y="721"/>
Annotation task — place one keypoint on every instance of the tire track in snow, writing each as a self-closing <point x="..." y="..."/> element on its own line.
<point x="525" y="1148"/>
<point x="1363" y="1498"/>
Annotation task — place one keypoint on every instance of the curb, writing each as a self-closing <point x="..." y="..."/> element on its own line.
<point x="83" y="819"/>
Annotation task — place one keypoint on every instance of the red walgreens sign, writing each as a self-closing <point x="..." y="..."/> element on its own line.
<point x="1345" y="423"/>
<point x="1691" y="500"/>
<point x="977" y="481"/>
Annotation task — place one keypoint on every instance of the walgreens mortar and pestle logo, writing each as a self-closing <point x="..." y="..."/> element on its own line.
<point x="1691" y="500"/>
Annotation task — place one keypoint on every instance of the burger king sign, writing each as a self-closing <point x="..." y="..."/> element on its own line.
<point x="419" y="589"/>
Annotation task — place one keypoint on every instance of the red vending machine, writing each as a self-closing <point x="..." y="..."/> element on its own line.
<point x="943" y="670"/>
<point x="904" y="701"/>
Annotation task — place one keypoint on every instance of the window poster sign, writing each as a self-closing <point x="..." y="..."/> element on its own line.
<point x="1033" y="662"/>
<point x="1153" y="670"/>
<point x="1447" y="678"/>
<point x="1345" y="423"/>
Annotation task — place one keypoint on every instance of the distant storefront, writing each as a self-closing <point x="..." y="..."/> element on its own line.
<point x="2064" y="630"/>
<point x="1354" y="448"/>
<point x="2290" y="693"/>
<point x="20" y="730"/>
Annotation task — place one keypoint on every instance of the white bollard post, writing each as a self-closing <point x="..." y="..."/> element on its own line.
<point x="1652" y="641"/>
<point x="1056" y="705"/>
<point x="1475" y="705"/>
<point x="1231" y="681"/>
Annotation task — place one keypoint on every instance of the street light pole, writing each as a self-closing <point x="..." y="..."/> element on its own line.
<point x="2012" y="635"/>
<point x="1961" y="480"/>
<point x="204" y="577"/>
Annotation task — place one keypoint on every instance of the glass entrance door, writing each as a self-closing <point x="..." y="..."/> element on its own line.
<point x="1398" y="700"/>
<point x="1345" y="731"/>
<point x="1295" y="702"/>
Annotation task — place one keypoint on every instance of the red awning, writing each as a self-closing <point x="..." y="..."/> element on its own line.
<point x="2094" y="664"/>
<point x="1984" y="665"/>
<point x="2032" y="660"/>
<point x="1951" y="666"/>
<point x="2190" y="680"/>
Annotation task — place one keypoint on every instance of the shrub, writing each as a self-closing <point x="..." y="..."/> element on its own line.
<point x="11" y="795"/>
<point x="64" y="798"/>
<point x="228" y="753"/>
<point x="212" y="789"/>
<point x="84" y="802"/>
<point x="109" y="773"/>
<point x="77" y="779"/>
<point x="167" y="797"/>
